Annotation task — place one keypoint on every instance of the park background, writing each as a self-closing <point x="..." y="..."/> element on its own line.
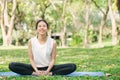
<point x="86" y="31"/>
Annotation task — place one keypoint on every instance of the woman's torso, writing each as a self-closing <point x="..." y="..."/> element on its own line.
<point x="42" y="52"/>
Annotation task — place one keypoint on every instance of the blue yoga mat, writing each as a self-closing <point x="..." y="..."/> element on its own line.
<point x="86" y="74"/>
<point x="72" y="74"/>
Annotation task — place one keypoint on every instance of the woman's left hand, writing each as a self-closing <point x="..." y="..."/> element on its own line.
<point x="45" y="72"/>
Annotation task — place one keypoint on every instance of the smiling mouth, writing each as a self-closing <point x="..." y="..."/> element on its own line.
<point x="42" y="31"/>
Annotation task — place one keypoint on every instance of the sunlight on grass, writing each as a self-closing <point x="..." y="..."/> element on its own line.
<point x="94" y="45"/>
<point x="12" y="47"/>
<point x="107" y="67"/>
<point x="101" y="59"/>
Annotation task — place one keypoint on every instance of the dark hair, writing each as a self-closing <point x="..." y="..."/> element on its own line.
<point x="43" y="21"/>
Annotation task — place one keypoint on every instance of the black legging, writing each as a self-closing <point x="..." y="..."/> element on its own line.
<point x="27" y="69"/>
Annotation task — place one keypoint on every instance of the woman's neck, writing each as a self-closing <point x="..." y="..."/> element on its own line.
<point x="42" y="37"/>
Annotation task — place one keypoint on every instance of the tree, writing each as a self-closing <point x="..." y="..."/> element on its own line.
<point x="43" y="6"/>
<point x="7" y="20"/>
<point x="63" y="32"/>
<point x="34" y="10"/>
<point x="114" y="28"/>
<point x="59" y="15"/>
<point x="102" y="23"/>
<point x="86" y="22"/>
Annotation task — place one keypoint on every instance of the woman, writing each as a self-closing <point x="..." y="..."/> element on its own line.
<point x="42" y="54"/>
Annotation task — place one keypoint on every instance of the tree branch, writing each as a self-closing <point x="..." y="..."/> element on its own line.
<point x="52" y="2"/>
<point x="1" y="2"/>
<point x="6" y="20"/>
<point x="14" y="6"/>
<point x="13" y="16"/>
<point x="98" y="6"/>
<point x="64" y="6"/>
<point x="43" y="12"/>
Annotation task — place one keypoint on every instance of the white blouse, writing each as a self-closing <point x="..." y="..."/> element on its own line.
<point x="42" y="52"/>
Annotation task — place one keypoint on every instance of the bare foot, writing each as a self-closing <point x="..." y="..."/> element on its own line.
<point x="50" y="74"/>
<point x="35" y="74"/>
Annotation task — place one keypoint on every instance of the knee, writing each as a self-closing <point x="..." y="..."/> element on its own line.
<point x="11" y="65"/>
<point x="73" y="67"/>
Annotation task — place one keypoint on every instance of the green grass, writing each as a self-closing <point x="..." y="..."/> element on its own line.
<point x="105" y="59"/>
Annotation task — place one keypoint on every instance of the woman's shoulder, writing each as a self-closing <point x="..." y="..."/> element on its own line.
<point x="53" y="41"/>
<point x="32" y="39"/>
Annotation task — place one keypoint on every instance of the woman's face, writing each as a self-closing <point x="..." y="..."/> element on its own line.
<point x="42" y="28"/>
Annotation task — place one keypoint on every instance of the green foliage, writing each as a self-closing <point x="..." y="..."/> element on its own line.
<point x="101" y="3"/>
<point x="29" y="11"/>
<point x="92" y="35"/>
<point x="76" y="40"/>
<point x="21" y="37"/>
<point x="1" y="41"/>
<point x="1" y="37"/>
<point x="102" y="59"/>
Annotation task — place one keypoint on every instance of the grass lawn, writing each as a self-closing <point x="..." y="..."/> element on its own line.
<point x="105" y="59"/>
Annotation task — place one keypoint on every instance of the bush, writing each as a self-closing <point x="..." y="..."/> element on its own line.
<point x="1" y="41"/>
<point x="76" y="40"/>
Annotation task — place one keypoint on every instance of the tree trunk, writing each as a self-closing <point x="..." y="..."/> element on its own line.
<point x="102" y="23"/>
<point x="63" y="32"/>
<point x="7" y="22"/>
<point x="87" y="23"/>
<point x="2" y="22"/>
<point x="101" y="28"/>
<point x="114" y="28"/>
<point x="63" y="35"/>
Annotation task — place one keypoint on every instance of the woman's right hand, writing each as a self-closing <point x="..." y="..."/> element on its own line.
<point x="40" y="73"/>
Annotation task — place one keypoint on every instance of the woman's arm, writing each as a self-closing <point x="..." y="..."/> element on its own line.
<point x="53" y="56"/>
<point x="31" y="56"/>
